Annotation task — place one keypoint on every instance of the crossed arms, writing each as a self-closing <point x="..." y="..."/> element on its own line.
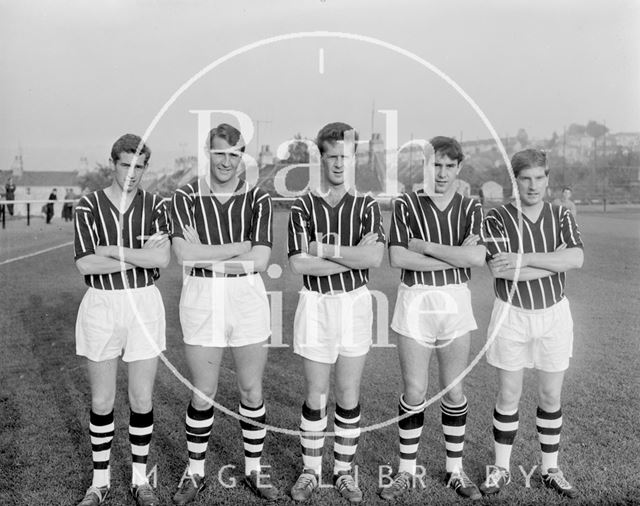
<point x="232" y="258"/>
<point x="327" y="259"/>
<point x="109" y="259"/>
<point x="535" y="265"/>
<point x="429" y="256"/>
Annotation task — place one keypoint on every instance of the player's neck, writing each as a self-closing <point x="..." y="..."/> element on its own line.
<point x="225" y="189"/>
<point x="533" y="212"/>
<point x="442" y="200"/>
<point x="332" y="193"/>
<point x="115" y="194"/>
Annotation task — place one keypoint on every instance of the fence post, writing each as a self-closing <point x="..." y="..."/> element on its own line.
<point x="28" y="213"/>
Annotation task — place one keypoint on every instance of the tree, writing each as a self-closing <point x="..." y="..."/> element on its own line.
<point x="595" y="129"/>
<point x="96" y="179"/>
<point x="298" y="151"/>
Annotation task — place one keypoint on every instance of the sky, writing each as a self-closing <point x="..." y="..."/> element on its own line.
<point x="76" y="75"/>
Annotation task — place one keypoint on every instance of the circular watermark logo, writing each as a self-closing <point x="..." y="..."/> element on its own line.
<point x="275" y="271"/>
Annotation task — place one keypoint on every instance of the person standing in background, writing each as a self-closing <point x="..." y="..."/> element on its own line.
<point x="10" y="189"/>
<point x="49" y="207"/>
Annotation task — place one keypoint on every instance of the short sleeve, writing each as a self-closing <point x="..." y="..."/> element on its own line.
<point x="160" y="217"/>
<point x="400" y="233"/>
<point x="85" y="234"/>
<point x="181" y="212"/>
<point x="298" y="229"/>
<point x="569" y="229"/>
<point x="493" y="234"/>
<point x="372" y="220"/>
<point x="262" y="220"/>
<point x="475" y="219"/>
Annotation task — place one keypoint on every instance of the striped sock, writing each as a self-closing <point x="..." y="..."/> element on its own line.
<point x="252" y="436"/>
<point x="410" y="429"/>
<point x="549" y="426"/>
<point x="454" y="419"/>
<point x="347" y="429"/>
<point x="198" y="426"/>
<point x="312" y="420"/>
<point x="101" y="429"/>
<point x="505" y="427"/>
<point x="140" y="430"/>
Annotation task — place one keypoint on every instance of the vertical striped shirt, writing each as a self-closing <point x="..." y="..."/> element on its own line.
<point x="246" y="216"/>
<point x="556" y="225"/>
<point x="97" y="223"/>
<point x="415" y="216"/>
<point x="312" y="219"/>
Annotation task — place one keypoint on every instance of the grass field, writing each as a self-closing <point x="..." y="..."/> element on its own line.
<point x="45" y="455"/>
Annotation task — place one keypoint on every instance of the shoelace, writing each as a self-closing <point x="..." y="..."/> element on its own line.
<point x="559" y="479"/>
<point x="145" y="492"/>
<point x="493" y="480"/>
<point x="100" y="492"/>
<point x="402" y="481"/>
<point x="306" y="481"/>
<point x="464" y="480"/>
<point x="347" y="482"/>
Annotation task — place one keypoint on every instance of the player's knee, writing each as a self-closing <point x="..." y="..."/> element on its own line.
<point x="102" y="405"/>
<point x="455" y="396"/>
<point x="549" y="399"/>
<point x="347" y="398"/>
<point x="509" y="398"/>
<point x="202" y="402"/>
<point x="141" y="402"/>
<point x="414" y="392"/>
<point x="251" y="397"/>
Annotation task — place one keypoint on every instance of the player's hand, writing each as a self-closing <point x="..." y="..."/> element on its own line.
<point x="191" y="235"/>
<point x="417" y="245"/>
<point x="562" y="246"/>
<point x="157" y="240"/>
<point x="368" y="239"/>
<point x="505" y="261"/>
<point x="313" y="248"/>
<point x="471" y="240"/>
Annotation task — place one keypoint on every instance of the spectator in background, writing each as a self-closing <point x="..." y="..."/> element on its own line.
<point x="10" y="189"/>
<point x="67" y="208"/>
<point x="566" y="202"/>
<point x="49" y="207"/>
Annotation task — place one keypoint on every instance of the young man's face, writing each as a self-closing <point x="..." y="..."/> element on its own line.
<point x="333" y="161"/>
<point x="224" y="160"/>
<point x="532" y="185"/>
<point x="129" y="182"/>
<point x="445" y="173"/>
<point x="566" y="194"/>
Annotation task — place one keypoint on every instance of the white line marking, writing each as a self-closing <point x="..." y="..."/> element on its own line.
<point x="321" y="60"/>
<point x="36" y="253"/>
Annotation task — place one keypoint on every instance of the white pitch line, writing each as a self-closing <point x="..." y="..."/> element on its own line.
<point x="36" y="253"/>
<point x="321" y="60"/>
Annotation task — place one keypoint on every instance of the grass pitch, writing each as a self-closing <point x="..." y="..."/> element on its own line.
<point x="45" y="455"/>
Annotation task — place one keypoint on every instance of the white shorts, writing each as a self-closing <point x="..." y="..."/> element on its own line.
<point x="110" y="321"/>
<point x="541" y="338"/>
<point x="224" y="311"/>
<point x="429" y="313"/>
<point x="326" y="325"/>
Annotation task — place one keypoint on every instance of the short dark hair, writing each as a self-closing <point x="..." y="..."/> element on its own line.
<point x="447" y="146"/>
<point x="129" y="143"/>
<point x="528" y="158"/>
<point x="227" y="132"/>
<point x="334" y="132"/>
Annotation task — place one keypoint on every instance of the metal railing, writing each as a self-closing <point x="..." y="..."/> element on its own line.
<point x="5" y="203"/>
